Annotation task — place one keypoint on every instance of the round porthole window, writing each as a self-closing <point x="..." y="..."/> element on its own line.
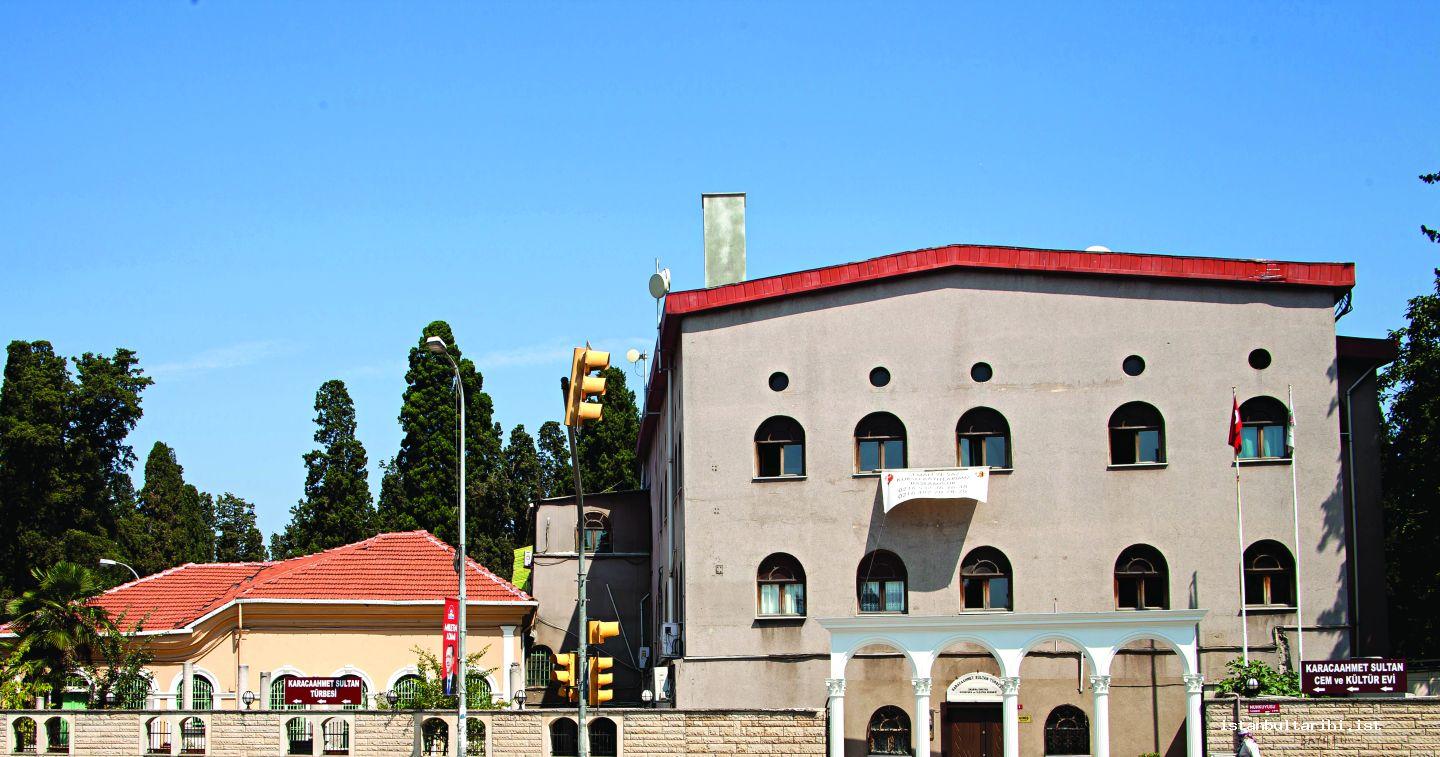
<point x="1133" y="365"/>
<point x="779" y="381"/>
<point x="981" y="372"/>
<point x="879" y="377"/>
<point x="1259" y="359"/>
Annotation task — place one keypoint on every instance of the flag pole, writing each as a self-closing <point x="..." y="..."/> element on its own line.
<point x="1240" y="531"/>
<point x="1295" y="503"/>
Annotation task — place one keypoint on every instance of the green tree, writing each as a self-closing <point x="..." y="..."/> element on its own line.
<point x="429" y="692"/>
<point x="337" y="508"/>
<point x="607" y="447"/>
<point x="56" y="630"/>
<point x="1410" y="459"/>
<point x="1432" y="234"/>
<point x="523" y="479"/>
<point x="420" y="486"/>
<point x="556" y="480"/>
<point x="173" y="522"/>
<point x="236" y="537"/>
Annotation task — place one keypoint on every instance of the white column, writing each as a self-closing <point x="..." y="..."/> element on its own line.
<point x="187" y="687"/>
<point x="836" y="703"/>
<point x="921" y="734"/>
<point x="1100" y="739"/>
<point x="1010" y="714"/>
<point x="1194" y="736"/>
<point x="242" y="685"/>
<point x="507" y="656"/>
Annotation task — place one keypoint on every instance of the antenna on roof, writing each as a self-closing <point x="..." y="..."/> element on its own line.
<point x="659" y="287"/>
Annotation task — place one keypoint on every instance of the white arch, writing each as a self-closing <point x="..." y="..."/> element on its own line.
<point x="883" y="640"/>
<point x="1084" y="648"/>
<point x="351" y="670"/>
<point x="408" y="670"/>
<point x="1170" y="644"/>
<point x="977" y="641"/>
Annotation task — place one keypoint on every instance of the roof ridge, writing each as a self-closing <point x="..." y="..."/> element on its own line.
<point x="145" y="578"/>
<point x="481" y="569"/>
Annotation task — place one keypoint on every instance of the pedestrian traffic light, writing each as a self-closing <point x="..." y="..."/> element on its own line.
<point x="564" y="674"/>
<point x="578" y="409"/>
<point x="601" y="680"/>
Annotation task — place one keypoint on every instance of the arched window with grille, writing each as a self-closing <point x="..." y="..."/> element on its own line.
<point x="1137" y="435"/>
<point x="192" y="736"/>
<point x="880" y="583"/>
<point x="604" y="739"/>
<point x="1263" y="422"/>
<point x="1142" y="580"/>
<point x="299" y="736"/>
<point x="434" y="737"/>
<point x="1269" y="575"/>
<point x="475" y="738"/>
<point x="157" y="736"/>
<point x="131" y="693"/>
<point x="1067" y="731"/>
<point x="986" y="580"/>
<point x="564" y="738"/>
<point x="57" y="734"/>
<point x="477" y="691"/>
<point x="406" y="688"/>
<point x="879" y="443"/>
<point x="597" y="532"/>
<point x="202" y="692"/>
<point x="335" y="736"/>
<point x="24" y="737"/>
<point x="982" y="438"/>
<point x="538" y="665"/>
<point x="780" y="586"/>
<point x="888" y="732"/>
<point x="779" y="448"/>
<point x="277" y="695"/>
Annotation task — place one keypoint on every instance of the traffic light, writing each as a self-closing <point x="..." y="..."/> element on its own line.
<point x="583" y="386"/>
<point x="565" y="675"/>
<point x="600" y="679"/>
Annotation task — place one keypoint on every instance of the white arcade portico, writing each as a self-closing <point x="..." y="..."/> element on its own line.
<point x="1008" y="637"/>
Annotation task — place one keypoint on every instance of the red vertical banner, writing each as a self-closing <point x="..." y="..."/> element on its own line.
<point x="450" y="643"/>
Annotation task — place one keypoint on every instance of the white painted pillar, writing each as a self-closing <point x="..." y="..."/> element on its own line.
<point x="507" y="656"/>
<point x="1100" y="737"/>
<point x="187" y="686"/>
<point x="1194" y="736"/>
<point x="1010" y="714"/>
<point x="836" y="704"/>
<point x="242" y="685"/>
<point x="921" y="734"/>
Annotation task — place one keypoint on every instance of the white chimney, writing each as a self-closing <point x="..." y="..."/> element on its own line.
<point x="724" y="237"/>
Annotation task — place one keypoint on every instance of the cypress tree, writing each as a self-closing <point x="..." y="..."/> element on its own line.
<point x="523" y="479"/>
<point x="556" y="480"/>
<point x="607" y="446"/>
<point x="420" y="486"/>
<point x="338" y="508"/>
<point x="173" y="523"/>
<point x="236" y="537"/>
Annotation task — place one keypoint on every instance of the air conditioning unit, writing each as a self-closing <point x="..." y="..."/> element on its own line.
<point x="661" y="685"/>
<point x="670" y="640"/>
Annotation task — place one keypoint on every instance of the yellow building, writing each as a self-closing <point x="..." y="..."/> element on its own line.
<point x="357" y="610"/>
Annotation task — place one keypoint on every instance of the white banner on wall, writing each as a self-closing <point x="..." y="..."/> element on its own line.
<point x="905" y="484"/>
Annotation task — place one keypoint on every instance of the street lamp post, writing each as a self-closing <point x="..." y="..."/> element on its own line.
<point x="437" y="345"/>
<point x="108" y="561"/>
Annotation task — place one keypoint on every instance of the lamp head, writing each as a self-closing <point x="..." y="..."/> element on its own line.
<point x="435" y="344"/>
<point x="248" y="698"/>
<point x="107" y="561"/>
<point x="392" y="697"/>
<point x="647" y="695"/>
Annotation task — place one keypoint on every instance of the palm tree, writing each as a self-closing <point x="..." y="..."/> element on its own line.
<point x="57" y="630"/>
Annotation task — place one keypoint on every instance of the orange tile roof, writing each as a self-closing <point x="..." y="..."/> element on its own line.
<point x="409" y="566"/>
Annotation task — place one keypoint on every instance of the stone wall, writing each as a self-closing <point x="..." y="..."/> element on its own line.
<point x="1327" y="726"/>
<point x="262" y="733"/>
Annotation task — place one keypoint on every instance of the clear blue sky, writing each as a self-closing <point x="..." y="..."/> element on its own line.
<point x="258" y="196"/>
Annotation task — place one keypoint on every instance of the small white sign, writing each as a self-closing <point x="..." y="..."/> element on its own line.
<point x="903" y="484"/>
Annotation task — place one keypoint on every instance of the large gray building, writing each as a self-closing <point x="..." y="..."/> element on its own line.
<point x="1105" y="567"/>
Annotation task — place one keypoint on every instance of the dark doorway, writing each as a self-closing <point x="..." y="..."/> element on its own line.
<point x="972" y="730"/>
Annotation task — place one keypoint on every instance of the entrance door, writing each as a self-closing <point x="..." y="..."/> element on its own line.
<point x="972" y="730"/>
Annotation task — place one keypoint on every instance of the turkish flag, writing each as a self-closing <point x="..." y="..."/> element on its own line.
<point x="1235" y="426"/>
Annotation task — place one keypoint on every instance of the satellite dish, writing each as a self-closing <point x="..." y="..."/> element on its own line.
<point x="1097" y="248"/>
<point x="660" y="283"/>
<point x="632" y="354"/>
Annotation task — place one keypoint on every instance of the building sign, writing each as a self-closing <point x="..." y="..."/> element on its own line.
<point x="348" y="690"/>
<point x="974" y="687"/>
<point x="449" y="643"/>
<point x="903" y="484"/>
<point x="1262" y="709"/>
<point x="1363" y="676"/>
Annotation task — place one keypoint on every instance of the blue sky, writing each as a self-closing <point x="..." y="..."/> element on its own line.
<point x="258" y="196"/>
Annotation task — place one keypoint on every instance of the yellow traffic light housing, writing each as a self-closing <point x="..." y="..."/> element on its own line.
<point x="600" y="630"/>
<point x="583" y="386"/>
<point x="565" y="675"/>
<point x="601" y="680"/>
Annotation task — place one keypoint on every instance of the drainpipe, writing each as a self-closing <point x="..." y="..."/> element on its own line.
<point x="1354" y="510"/>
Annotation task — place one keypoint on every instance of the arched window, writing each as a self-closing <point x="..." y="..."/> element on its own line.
<point x="475" y="738"/>
<point x="779" y="448"/>
<point x="157" y="736"/>
<point x="192" y="736"/>
<point x="131" y="693"/>
<point x="24" y="739"/>
<point x="603" y="737"/>
<point x="538" y="665"/>
<point x="364" y="693"/>
<point x="335" y="736"/>
<point x="1067" y="731"/>
<point x="406" y="688"/>
<point x="434" y="737"/>
<point x="1142" y="581"/>
<point x="1137" y="435"/>
<point x="781" y="586"/>
<point x="57" y="734"/>
<point x="477" y="691"/>
<point x="597" y="532"/>
<point x="985" y="580"/>
<point x="880" y="583"/>
<point x="277" y="695"/>
<point x="299" y="736"/>
<point x="888" y="732"/>
<point x="1269" y="575"/>
<point x="1263" y="421"/>
<point x="564" y="738"/>
<point x="202" y="692"/>
<point x="983" y="438"/>
<point x="879" y="443"/>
